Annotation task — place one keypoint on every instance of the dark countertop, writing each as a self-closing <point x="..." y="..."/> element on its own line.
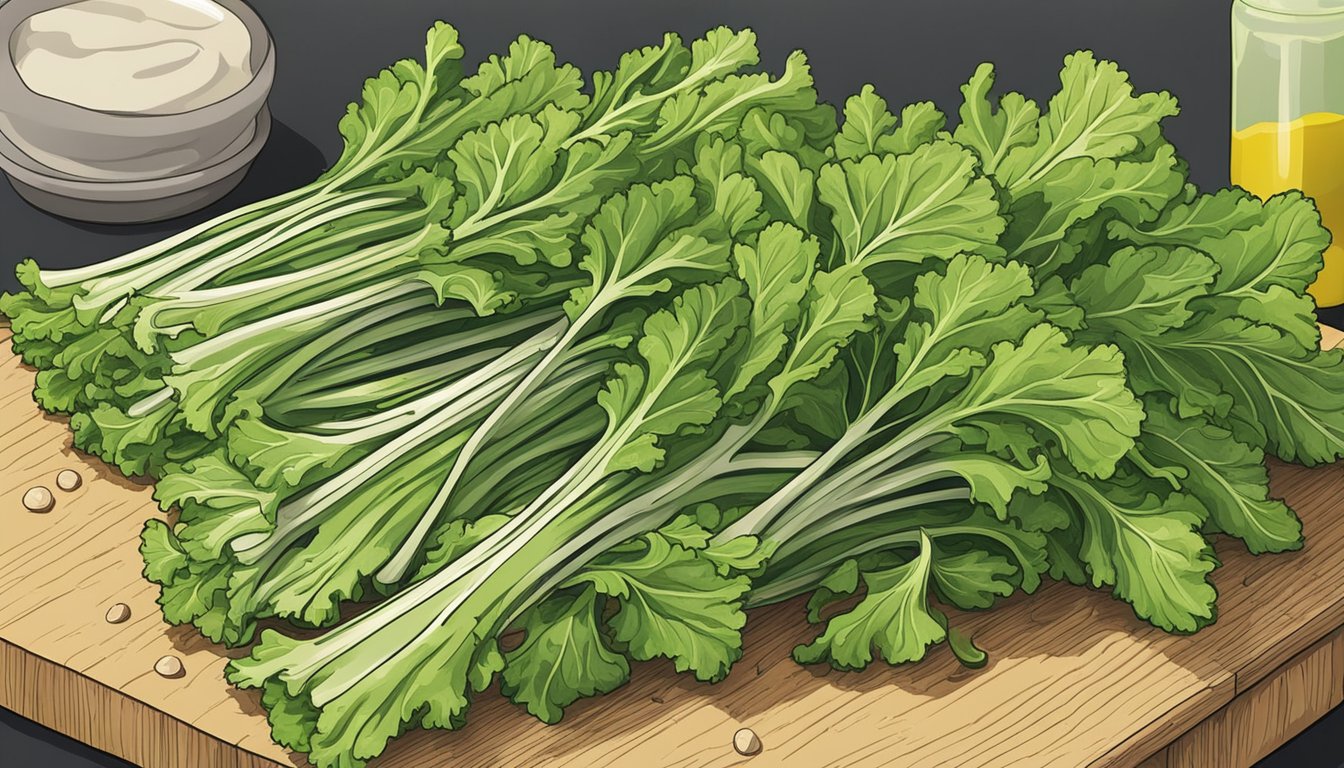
<point x="910" y="51"/>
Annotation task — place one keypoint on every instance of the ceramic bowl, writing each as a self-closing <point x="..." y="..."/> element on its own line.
<point x="64" y="151"/>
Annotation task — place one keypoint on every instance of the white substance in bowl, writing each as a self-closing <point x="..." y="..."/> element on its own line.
<point x="152" y="57"/>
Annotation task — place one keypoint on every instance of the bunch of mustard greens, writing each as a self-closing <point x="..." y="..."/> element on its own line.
<point x="609" y="362"/>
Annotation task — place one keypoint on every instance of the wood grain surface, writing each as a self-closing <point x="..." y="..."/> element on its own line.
<point x="1074" y="679"/>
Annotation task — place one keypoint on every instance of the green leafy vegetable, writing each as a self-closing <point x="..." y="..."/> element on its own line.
<point x="610" y="364"/>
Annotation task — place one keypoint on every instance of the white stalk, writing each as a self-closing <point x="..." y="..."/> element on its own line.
<point x="59" y="278"/>
<point x="212" y="268"/>
<point x="461" y="401"/>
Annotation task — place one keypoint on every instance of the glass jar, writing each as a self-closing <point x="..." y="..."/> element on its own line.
<point x="1288" y="112"/>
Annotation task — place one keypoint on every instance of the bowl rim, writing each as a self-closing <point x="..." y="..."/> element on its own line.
<point x="13" y="90"/>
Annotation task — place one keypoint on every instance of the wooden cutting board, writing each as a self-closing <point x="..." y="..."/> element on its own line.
<point x="1074" y="678"/>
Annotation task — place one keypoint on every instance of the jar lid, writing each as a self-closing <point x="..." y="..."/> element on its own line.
<point x="1298" y="7"/>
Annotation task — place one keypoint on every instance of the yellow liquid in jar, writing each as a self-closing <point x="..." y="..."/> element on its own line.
<point x="1306" y="154"/>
